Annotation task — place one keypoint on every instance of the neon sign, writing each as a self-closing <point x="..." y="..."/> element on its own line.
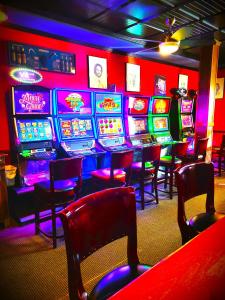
<point x="31" y="102"/>
<point x="26" y="75"/>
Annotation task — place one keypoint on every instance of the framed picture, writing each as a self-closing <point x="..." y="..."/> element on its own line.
<point x="97" y="68"/>
<point x="219" y="88"/>
<point x="183" y="81"/>
<point x="133" y="74"/>
<point x="160" y="85"/>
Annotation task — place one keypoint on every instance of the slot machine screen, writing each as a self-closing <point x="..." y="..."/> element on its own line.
<point x="76" y="128"/>
<point x="161" y="106"/>
<point x="160" y="124"/>
<point x="31" y="101"/>
<point x="76" y="102"/>
<point x="108" y="103"/>
<point x="138" y="105"/>
<point x="32" y="130"/>
<point x="186" y="106"/>
<point x="137" y="125"/>
<point x="108" y="126"/>
<point x="186" y="121"/>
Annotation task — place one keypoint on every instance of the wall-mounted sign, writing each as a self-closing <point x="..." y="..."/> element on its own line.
<point x="26" y="75"/>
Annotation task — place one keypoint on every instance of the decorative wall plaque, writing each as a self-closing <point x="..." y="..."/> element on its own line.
<point x="40" y="58"/>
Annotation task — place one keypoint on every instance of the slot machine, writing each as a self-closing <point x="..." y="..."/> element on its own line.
<point x="159" y="122"/>
<point x="182" y="116"/>
<point x="75" y="130"/>
<point x="34" y="136"/>
<point x="136" y="117"/>
<point x="109" y="121"/>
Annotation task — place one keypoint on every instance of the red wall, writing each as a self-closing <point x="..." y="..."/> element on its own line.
<point x="116" y="71"/>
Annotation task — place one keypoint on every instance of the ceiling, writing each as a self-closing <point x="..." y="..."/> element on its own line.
<point x="115" y="24"/>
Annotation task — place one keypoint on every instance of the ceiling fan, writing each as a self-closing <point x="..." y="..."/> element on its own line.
<point x="172" y="41"/>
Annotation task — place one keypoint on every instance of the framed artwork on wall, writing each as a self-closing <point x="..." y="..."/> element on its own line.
<point x="160" y="85"/>
<point x="219" y="88"/>
<point x="183" y="81"/>
<point x="97" y="70"/>
<point x="133" y="74"/>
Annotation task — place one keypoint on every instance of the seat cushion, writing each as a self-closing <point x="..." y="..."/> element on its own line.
<point x="115" y="280"/>
<point x="104" y="175"/>
<point x="167" y="160"/>
<point x="202" y="221"/>
<point x="59" y="186"/>
<point x="137" y="168"/>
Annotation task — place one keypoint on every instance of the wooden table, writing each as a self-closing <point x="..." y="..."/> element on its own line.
<point x="195" y="271"/>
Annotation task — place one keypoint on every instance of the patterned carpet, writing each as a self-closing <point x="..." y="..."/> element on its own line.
<point x="31" y="269"/>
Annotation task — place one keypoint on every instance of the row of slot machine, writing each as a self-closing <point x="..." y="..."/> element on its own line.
<point x="51" y="124"/>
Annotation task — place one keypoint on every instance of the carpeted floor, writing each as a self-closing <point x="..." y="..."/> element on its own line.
<point x="31" y="269"/>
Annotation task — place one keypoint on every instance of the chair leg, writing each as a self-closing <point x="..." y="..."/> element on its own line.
<point x="142" y="192"/>
<point x="54" y="228"/>
<point x="166" y="177"/>
<point x="171" y="184"/>
<point x="37" y="221"/>
<point x="154" y="185"/>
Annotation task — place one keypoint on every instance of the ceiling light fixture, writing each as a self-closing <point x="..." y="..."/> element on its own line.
<point x="169" y="47"/>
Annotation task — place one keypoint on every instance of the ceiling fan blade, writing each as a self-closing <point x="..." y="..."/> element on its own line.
<point x="182" y="33"/>
<point x="146" y="40"/>
<point x="146" y="50"/>
<point x="185" y="44"/>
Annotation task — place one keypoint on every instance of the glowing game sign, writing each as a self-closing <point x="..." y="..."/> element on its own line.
<point x="108" y="103"/>
<point x="160" y="124"/>
<point x="110" y="126"/>
<point x="138" y="105"/>
<point x="161" y="106"/>
<point x="69" y="101"/>
<point x="186" y="106"/>
<point x="31" y="102"/>
<point x="25" y="75"/>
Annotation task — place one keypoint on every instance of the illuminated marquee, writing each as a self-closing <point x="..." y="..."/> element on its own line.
<point x="32" y="102"/>
<point x="26" y="75"/>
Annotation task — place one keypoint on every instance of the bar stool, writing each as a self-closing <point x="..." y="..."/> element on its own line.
<point x="119" y="173"/>
<point x="146" y="172"/>
<point x="172" y="162"/>
<point x="199" y="151"/>
<point x="63" y="187"/>
<point x="220" y="153"/>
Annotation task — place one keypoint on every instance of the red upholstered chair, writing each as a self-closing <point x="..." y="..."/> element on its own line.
<point x="172" y="162"/>
<point x="220" y="153"/>
<point x="146" y="171"/>
<point x="93" y="222"/>
<point x="199" y="151"/>
<point x="194" y="180"/>
<point x="118" y="174"/>
<point x="62" y="188"/>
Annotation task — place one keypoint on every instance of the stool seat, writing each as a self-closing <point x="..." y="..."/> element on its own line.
<point x="202" y="221"/>
<point x="137" y="168"/>
<point x="104" y="174"/>
<point x="59" y="185"/>
<point x="167" y="160"/>
<point x="117" y="279"/>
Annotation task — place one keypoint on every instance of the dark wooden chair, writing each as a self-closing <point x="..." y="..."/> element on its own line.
<point x="220" y="153"/>
<point x="194" y="180"/>
<point x="93" y="222"/>
<point x="199" y="153"/>
<point x="146" y="172"/>
<point x="172" y="162"/>
<point x="119" y="173"/>
<point x="63" y="187"/>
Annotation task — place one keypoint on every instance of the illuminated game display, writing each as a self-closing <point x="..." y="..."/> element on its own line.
<point x="161" y="106"/>
<point x="76" y="128"/>
<point x="138" y="105"/>
<point x="30" y="101"/>
<point x="186" y="106"/>
<point x="72" y="101"/>
<point x="109" y="126"/>
<point x="137" y="125"/>
<point x="108" y="103"/>
<point x="31" y="130"/>
<point x="160" y="124"/>
<point x="187" y="121"/>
